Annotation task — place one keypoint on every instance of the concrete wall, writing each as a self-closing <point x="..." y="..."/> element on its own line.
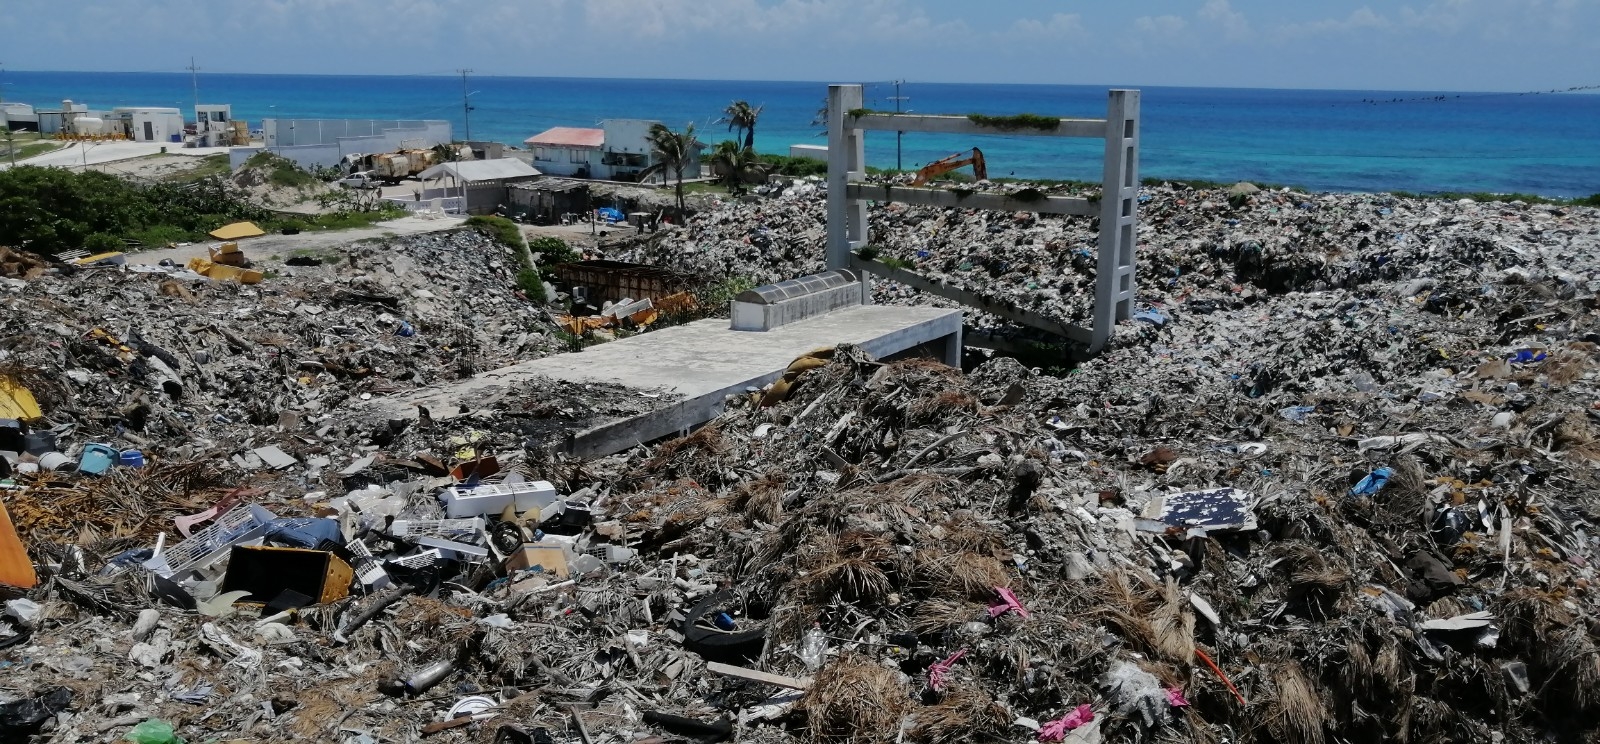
<point x="559" y="162"/>
<point x="164" y="124"/>
<point x="815" y="152"/>
<point x="323" y="142"/>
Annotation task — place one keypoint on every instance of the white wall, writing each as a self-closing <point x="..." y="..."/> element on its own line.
<point x="323" y="142"/>
<point x="164" y="123"/>
<point x="566" y="161"/>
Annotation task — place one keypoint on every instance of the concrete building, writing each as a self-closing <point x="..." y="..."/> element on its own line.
<point x="324" y="142"/>
<point x="147" y="124"/>
<point x="214" y="125"/>
<point x="619" y="150"/>
<point x="19" y="117"/>
<point x="568" y="151"/>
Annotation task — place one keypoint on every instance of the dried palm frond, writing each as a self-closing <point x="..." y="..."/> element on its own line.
<point x="941" y="615"/>
<point x="1172" y="627"/>
<point x="960" y="574"/>
<point x="1295" y="713"/>
<point x="964" y="713"/>
<point x="854" y="700"/>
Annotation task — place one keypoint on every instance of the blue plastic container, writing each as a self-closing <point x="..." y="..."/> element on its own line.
<point x="96" y="459"/>
<point x="131" y="459"/>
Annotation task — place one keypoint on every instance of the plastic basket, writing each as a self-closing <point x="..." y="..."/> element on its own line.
<point x="205" y="547"/>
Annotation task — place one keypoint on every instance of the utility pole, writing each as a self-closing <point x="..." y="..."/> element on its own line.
<point x="898" y="135"/>
<point x="194" y="77"/>
<point x="466" y="107"/>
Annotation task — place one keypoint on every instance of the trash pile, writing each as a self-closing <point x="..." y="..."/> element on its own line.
<point x="1326" y="491"/>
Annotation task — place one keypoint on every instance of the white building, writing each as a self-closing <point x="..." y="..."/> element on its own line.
<point x="324" y="142"/>
<point x="213" y="125"/>
<point x="148" y="124"/>
<point x="619" y="150"/>
<point x="568" y="151"/>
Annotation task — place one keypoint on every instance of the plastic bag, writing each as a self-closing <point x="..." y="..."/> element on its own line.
<point x="813" y="648"/>
<point x="152" y="731"/>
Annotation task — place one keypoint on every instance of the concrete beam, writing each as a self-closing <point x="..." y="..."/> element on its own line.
<point x="994" y="307"/>
<point x="965" y="200"/>
<point x="881" y="122"/>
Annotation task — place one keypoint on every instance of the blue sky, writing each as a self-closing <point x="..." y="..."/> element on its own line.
<point x="1467" y="45"/>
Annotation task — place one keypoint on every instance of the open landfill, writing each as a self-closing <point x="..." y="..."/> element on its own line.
<point x="1335" y="482"/>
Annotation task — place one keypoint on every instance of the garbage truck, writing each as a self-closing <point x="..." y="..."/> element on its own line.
<point x="389" y="167"/>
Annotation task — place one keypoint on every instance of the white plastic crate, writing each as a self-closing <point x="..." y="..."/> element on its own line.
<point x="367" y="568"/>
<point x="207" y="546"/>
<point x="448" y="529"/>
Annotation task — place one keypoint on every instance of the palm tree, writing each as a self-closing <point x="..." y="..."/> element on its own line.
<point x="734" y="164"/>
<point x="741" y="117"/>
<point x="672" y="152"/>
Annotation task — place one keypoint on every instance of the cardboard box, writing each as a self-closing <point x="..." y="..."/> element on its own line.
<point x="552" y="558"/>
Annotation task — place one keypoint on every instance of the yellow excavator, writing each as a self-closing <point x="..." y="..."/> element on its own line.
<point x="946" y="164"/>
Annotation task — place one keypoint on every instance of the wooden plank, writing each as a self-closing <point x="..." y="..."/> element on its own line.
<point x="970" y="299"/>
<point x="924" y="197"/>
<point x="891" y="122"/>
<point x="751" y="675"/>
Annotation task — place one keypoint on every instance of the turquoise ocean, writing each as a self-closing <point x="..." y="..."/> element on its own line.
<point x="1543" y="143"/>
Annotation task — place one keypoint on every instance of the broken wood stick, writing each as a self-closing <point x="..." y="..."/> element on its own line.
<point x="752" y="675"/>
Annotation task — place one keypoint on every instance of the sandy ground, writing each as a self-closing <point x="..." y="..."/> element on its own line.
<point x="283" y="245"/>
<point x="79" y="154"/>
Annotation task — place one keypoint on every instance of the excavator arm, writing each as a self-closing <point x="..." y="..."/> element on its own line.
<point x="949" y="163"/>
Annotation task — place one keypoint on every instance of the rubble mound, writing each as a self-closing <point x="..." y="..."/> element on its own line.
<point x="1322" y="491"/>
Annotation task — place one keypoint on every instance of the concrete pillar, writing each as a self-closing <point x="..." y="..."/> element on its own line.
<point x="1119" y="218"/>
<point x="952" y="349"/>
<point x="846" y="161"/>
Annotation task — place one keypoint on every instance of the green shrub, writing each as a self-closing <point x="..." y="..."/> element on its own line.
<point x="552" y="251"/>
<point x="501" y="229"/>
<point x="101" y="243"/>
<point x="796" y="167"/>
<point x="531" y="284"/>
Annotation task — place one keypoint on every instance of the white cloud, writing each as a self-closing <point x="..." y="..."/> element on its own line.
<point x="1446" y="17"/>
<point x="1235" y="27"/>
<point x="1060" y="24"/>
<point x="1162" y="25"/>
<point x="1362" y="18"/>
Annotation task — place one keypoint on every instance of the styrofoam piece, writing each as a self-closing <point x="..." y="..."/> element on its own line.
<point x="203" y="548"/>
<point x="494" y="498"/>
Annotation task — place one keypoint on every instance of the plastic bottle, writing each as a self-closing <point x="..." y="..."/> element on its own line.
<point x="813" y="648"/>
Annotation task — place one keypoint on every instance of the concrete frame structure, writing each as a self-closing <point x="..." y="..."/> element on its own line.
<point x="1118" y="208"/>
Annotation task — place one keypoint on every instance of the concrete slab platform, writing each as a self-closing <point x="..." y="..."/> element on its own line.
<point x="703" y="362"/>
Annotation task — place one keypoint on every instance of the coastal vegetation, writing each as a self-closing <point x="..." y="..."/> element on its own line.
<point x="673" y="152"/>
<point x="741" y="118"/>
<point x="797" y="167"/>
<point x="49" y="210"/>
<point x="735" y="166"/>
<point x="280" y="171"/>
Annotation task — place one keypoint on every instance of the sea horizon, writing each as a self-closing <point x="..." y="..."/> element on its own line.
<point x="1422" y="141"/>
